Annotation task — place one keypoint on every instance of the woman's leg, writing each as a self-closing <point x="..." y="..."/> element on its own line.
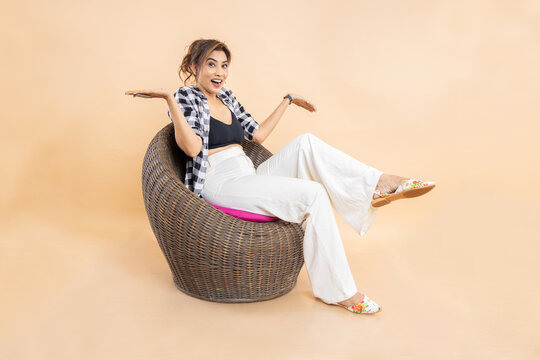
<point x="232" y="182"/>
<point x="349" y="183"/>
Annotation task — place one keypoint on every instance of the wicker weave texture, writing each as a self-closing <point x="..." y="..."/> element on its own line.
<point x="212" y="255"/>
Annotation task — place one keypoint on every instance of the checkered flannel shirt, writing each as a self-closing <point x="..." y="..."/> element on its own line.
<point x="194" y="106"/>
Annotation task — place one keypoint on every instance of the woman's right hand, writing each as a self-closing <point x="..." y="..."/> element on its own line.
<point x="155" y="93"/>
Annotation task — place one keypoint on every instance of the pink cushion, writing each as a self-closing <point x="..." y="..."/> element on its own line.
<point x="245" y="215"/>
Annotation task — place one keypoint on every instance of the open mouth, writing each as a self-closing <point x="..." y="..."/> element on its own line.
<point x="216" y="83"/>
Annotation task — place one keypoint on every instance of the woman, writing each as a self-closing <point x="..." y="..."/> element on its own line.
<point x="300" y="182"/>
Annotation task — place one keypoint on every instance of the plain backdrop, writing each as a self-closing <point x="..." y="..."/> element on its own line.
<point x="437" y="90"/>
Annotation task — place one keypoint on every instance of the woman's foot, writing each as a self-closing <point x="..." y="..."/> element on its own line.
<point x="356" y="299"/>
<point x="360" y="304"/>
<point x="393" y="187"/>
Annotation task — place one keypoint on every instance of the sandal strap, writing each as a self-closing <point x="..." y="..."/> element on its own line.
<point x="412" y="184"/>
<point x="405" y="185"/>
<point x="366" y="306"/>
<point x="381" y="194"/>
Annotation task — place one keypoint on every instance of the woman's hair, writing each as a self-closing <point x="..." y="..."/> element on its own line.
<point x="197" y="53"/>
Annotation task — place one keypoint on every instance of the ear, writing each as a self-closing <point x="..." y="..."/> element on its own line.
<point x="193" y="68"/>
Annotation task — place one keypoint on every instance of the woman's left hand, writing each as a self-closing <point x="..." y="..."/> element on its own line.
<point x="300" y="101"/>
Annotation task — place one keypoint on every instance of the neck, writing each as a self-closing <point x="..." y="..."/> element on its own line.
<point x="209" y="96"/>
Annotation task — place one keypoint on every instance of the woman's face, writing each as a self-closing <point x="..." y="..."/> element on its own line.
<point x="213" y="73"/>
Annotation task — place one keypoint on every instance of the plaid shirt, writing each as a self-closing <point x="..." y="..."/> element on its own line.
<point x="194" y="106"/>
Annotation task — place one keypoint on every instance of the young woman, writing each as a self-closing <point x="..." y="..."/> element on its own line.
<point x="300" y="182"/>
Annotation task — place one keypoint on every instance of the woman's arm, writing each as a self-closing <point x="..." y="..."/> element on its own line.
<point x="187" y="138"/>
<point x="268" y="125"/>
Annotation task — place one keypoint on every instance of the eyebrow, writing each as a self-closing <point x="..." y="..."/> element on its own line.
<point x="216" y="60"/>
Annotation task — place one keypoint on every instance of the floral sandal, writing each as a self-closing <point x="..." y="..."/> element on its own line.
<point x="366" y="306"/>
<point x="408" y="189"/>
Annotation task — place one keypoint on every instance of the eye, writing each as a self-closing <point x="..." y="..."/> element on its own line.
<point x="224" y="66"/>
<point x="211" y="64"/>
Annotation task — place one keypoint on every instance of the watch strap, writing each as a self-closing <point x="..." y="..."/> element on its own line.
<point x="290" y="98"/>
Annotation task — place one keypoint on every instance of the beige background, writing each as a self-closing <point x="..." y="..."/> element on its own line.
<point x="438" y="90"/>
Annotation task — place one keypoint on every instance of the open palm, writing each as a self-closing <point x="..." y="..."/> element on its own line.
<point x="154" y="93"/>
<point x="300" y="101"/>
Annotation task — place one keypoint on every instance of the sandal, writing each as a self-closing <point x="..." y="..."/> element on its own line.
<point x="366" y="306"/>
<point x="408" y="189"/>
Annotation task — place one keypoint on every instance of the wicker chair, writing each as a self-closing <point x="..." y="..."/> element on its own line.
<point x="214" y="256"/>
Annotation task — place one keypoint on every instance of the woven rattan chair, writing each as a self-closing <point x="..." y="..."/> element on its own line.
<point x="212" y="255"/>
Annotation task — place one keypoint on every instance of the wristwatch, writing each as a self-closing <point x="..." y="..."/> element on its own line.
<point x="290" y="98"/>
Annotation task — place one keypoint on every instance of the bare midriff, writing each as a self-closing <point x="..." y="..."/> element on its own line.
<point x="213" y="151"/>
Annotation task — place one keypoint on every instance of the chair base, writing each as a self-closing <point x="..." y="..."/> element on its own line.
<point x="235" y="300"/>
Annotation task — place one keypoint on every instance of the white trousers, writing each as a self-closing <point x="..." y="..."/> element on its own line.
<point x="302" y="181"/>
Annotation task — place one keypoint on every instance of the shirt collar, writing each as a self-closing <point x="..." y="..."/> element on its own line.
<point x="199" y="93"/>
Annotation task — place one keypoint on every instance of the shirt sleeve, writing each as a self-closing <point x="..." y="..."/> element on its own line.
<point x="186" y="101"/>
<point x="248" y="123"/>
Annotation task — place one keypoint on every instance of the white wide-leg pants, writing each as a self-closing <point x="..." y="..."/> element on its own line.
<point x="302" y="181"/>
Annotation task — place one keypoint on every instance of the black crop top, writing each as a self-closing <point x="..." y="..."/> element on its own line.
<point x="222" y="134"/>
